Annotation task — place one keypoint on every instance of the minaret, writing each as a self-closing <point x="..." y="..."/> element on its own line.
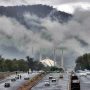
<point x="40" y="57"/>
<point x="62" y="59"/>
<point x="32" y="52"/>
<point x="54" y="56"/>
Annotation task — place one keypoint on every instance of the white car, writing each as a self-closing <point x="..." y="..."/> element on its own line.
<point x="82" y="74"/>
<point x="47" y="83"/>
<point x="88" y="73"/>
<point x="50" y="77"/>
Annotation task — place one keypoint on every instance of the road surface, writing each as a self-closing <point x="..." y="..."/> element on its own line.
<point x="15" y="85"/>
<point x="85" y="82"/>
<point x="60" y="84"/>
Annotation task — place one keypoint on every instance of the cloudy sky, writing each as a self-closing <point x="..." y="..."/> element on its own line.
<point x="75" y="34"/>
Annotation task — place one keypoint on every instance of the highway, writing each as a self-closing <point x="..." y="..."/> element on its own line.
<point x="85" y="82"/>
<point x="15" y="85"/>
<point x="60" y="84"/>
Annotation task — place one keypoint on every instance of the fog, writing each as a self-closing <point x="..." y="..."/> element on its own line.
<point x="17" y="41"/>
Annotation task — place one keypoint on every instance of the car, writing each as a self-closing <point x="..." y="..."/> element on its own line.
<point x="53" y="80"/>
<point x="50" y="77"/>
<point x="88" y="73"/>
<point x="13" y="79"/>
<point x="47" y="83"/>
<point x="7" y="85"/>
<point x="26" y="78"/>
<point x="17" y="77"/>
<point x="61" y="76"/>
<point x="82" y="74"/>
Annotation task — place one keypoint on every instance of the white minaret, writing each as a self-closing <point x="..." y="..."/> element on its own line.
<point x="62" y="59"/>
<point x="54" y="56"/>
<point x="32" y="52"/>
<point x="40" y="55"/>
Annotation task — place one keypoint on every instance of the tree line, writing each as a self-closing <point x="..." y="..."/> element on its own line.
<point x="83" y="62"/>
<point x="20" y="65"/>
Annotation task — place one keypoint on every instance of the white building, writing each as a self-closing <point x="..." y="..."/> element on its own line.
<point x="47" y="62"/>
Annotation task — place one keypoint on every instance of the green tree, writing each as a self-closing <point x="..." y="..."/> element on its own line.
<point x="83" y="62"/>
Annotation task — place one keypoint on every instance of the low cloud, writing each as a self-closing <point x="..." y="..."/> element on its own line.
<point x="73" y="35"/>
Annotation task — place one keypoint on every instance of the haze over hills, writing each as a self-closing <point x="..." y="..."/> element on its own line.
<point x="41" y="11"/>
<point x="42" y="26"/>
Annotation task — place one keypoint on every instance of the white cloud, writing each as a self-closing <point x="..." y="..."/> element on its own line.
<point x="14" y="34"/>
<point x="30" y="2"/>
<point x="71" y="7"/>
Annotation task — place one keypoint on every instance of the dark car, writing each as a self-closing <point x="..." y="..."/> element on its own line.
<point x="53" y="80"/>
<point x="13" y="79"/>
<point x="7" y="85"/>
<point x="26" y="78"/>
<point x="17" y="77"/>
<point x="61" y="76"/>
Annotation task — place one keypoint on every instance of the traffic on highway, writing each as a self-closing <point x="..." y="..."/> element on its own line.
<point x="15" y="81"/>
<point x="53" y="81"/>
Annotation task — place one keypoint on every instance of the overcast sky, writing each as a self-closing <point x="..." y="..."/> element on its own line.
<point x="68" y="6"/>
<point x="51" y="2"/>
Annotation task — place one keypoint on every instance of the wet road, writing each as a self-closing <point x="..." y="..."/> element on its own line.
<point x="15" y="85"/>
<point x="60" y="84"/>
<point x="85" y="82"/>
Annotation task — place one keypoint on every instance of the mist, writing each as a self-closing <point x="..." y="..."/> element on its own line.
<point x="73" y="35"/>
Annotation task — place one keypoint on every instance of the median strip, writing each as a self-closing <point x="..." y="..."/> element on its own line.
<point x="31" y="83"/>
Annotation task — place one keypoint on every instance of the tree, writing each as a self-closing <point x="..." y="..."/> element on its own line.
<point x="83" y="62"/>
<point x="22" y="65"/>
<point x="30" y="63"/>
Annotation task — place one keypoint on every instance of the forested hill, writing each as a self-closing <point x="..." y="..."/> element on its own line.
<point x="41" y="11"/>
